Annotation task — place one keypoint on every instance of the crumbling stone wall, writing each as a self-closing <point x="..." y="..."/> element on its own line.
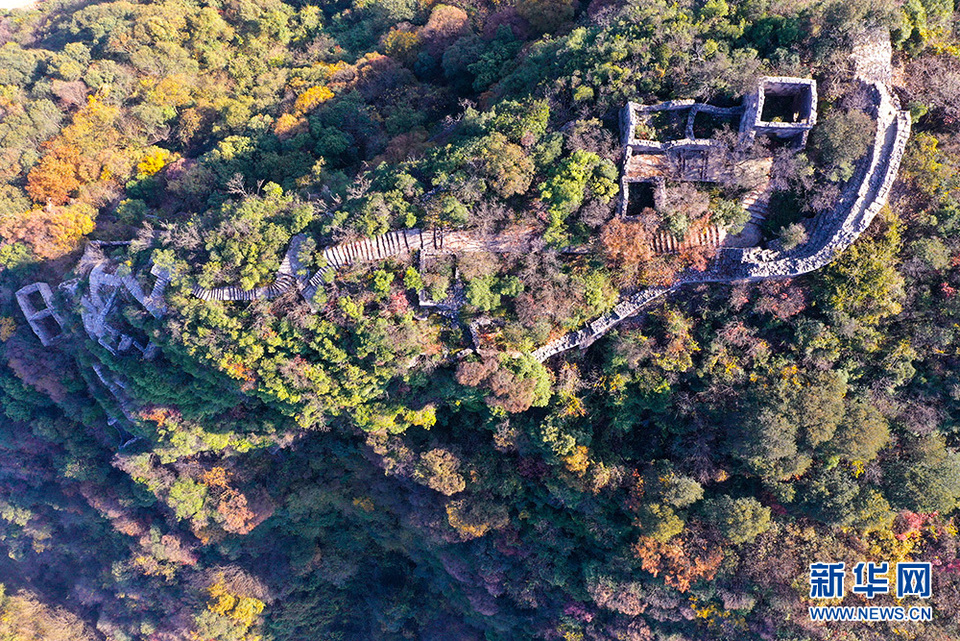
<point x="44" y="321"/>
<point x="600" y="326"/>
<point x="832" y="232"/>
<point x="863" y="197"/>
<point x="753" y="123"/>
<point x="107" y="282"/>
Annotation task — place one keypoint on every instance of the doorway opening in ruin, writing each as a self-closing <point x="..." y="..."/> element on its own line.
<point x="640" y="196"/>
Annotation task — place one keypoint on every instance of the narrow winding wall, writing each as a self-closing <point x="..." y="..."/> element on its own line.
<point x="862" y="198"/>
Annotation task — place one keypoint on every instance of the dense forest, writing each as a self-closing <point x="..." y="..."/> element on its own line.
<point x="354" y="465"/>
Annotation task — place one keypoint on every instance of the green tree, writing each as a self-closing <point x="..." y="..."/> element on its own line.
<point x="566" y="187"/>
<point x="739" y="520"/>
<point x="863" y="284"/>
<point x="667" y="486"/>
<point x="482" y="294"/>
<point x="861" y="434"/>
<point x="187" y="498"/>
<point x="926" y="476"/>
<point x="828" y="495"/>
<point x="508" y="168"/>
<point x="839" y="140"/>
<point x="438" y="469"/>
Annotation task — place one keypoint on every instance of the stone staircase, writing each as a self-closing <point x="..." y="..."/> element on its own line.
<point x="393" y="244"/>
<point x="757" y="202"/>
<point x="667" y="243"/>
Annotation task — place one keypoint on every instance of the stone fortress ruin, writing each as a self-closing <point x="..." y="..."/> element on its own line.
<point x="676" y="141"/>
<point x="102" y="292"/>
<point x="829" y="233"/>
<point x="111" y="286"/>
<point x="36" y="303"/>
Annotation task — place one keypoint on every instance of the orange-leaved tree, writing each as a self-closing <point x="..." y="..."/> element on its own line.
<point x="50" y="232"/>
<point x="91" y="148"/>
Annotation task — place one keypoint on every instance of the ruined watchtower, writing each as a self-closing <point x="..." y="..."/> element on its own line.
<point x="782" y="107"/>
<point x="38" y="307"/>
<point x="680" y="140"/>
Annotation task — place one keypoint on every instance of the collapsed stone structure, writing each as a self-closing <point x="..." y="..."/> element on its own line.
<point x="781" y="107"/>
<point x="110" y="288"/>
<point x="676" y="140"/>
<point x="647" y="160"/>
<point x="109" y="285"/>
<point x="830" y="233"/>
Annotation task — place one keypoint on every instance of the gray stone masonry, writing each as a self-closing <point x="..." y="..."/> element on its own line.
<point x="803" y="91"/>
<point x="701" y="159"/>
<point x="834" y="231"/>
<point x="45" y="321"/>
<point x="106" y="286"/>
<point x="598" y="327"/>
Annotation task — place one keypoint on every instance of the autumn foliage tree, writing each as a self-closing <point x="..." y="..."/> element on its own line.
<point x="89" y="149"/>
<point x="54" y="179"/>
<point x="681" y="561"/>
<point x="627" y="245"/>
<point x="50" y="232"/>
<point x="231" y="504"/>
<point x="514" y="384"/>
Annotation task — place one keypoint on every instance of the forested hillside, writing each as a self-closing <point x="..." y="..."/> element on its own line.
<point x="380" y="455"/>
